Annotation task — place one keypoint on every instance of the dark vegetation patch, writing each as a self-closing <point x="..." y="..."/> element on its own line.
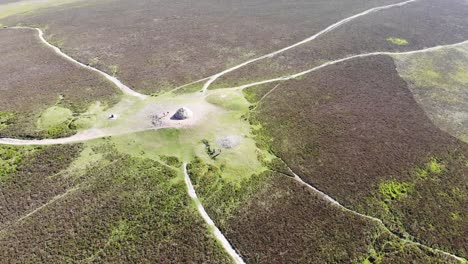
<point x="121" y="209"/>
<point x="163" y="44"/>
<point x="33" y="78"/>
<point x="27" y="178"/>
<point x="446" y="24"/>
<point x="171" y="161"/>
<point x="285" y="222"/>
<point x="354" y="131"/>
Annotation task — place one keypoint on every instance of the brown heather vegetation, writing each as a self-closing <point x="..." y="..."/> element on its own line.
<point x="33" y="77"/>
<point x="270" y="218"/>
<point x="119" y="210"/>
<point x="33" y="182"/>
<point x="163" y="44"/>
<point x="288" y="223"/>
<point x="354" y="131"/>
<point x="446" y="24"/>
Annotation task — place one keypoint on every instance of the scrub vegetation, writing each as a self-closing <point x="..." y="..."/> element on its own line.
<point x="383" y="136"/>
<point x="174" y="45"/>
<point x="366" y="34"/>
<point x="40" y="101"/>
<point x="397" y="41"/>
<point x="136" y="208"/>
<point x="438" y="81"/>
<point x="343" y="135"/>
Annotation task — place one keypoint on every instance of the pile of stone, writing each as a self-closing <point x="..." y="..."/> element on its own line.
<point x="182" y="114"/>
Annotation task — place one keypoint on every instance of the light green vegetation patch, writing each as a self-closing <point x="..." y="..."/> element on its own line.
<point x="193" y="88"/>
<point x="238" y="162"/>
<point x="90" y="117"/>
<point x="54" y="116"/>
<point x="435" y="166"/>
<point x="11" y="157"/>
<point x="5" y="119"/>
<point x="229" y="100"/>
<point x="394" y="190"/>
<point x="147" y="202"/>
<point x="90" y="156"/>
<point x="220" y="196"/>
<point x="29" y="6"/>
<point x="55" y="121"/>
<point x="455" y="216"/>
<point x="114" y="70"/>
<point x="397" y="41"/>
<point x="438" y="80"/>
<point x="225" y="118"/>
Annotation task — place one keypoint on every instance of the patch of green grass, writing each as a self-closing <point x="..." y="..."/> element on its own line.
<point x="220" y="196"/>
<point x="228" y="100"/>
<point x="455" y="216"/>
<point x="114" y="70"/>
<point x="6" y="119"/>
<point x="434" y="166"/>
<point x="393" y="190"/>
<point x="55" y="121"/>
<point x="397" y="41"/>
<point x="60" y="130"/>
<point x="461" y="74"/>
<point x="421" y="173"/>
<point x="11" y="158"/>
<point x="53" y="117"/>
<point x="193" y="88"/>
<point x="438" y="80"/>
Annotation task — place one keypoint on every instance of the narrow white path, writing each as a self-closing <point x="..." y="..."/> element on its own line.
<point x="79" y="137"/>
<point x="125" y="89"/>
<point x="186" y="85"/>
<point x="51" y="201"/>
<point x="86" y="135"/>
<point x="336" y="203"/>
<point x="97" y="133"/>
<point x="217" y="233"/>
<point x="289" y="77"/>
<point x="328" y="29"/>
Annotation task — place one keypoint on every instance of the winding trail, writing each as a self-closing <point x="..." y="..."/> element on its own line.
<point x="217" y="233"/>
<point x="79" y="137"/>
<point x="125" y="89"/>
<point x="374" y="219"/>
<point x="289" y="77"/>
<point x="98" y="133"/>
<point x="326" y="30"/>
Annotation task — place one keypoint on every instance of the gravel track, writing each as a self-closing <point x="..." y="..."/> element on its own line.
<point x="326" y="30"/>
<point x="125" y="89"/>
<point x="336" y="203"/>
<point x="217" y="233"/>
<point x="93" y="134"/>
<point x="289" y="77"/>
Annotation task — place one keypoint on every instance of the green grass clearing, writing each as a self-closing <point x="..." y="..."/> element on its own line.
<point x="397" y="41"/>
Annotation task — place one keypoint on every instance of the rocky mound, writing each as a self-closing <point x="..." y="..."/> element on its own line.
<point x="183" y="113"/>
<point x="229" y="141"/>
